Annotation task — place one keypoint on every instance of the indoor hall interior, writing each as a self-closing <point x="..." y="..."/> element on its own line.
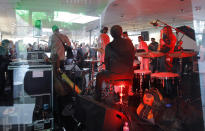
<point x="64" y="66"/>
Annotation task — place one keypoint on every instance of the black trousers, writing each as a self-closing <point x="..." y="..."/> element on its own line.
<point x="4" y="61"/>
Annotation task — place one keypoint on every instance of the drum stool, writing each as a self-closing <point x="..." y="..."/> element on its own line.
<point x="118" y="88"/>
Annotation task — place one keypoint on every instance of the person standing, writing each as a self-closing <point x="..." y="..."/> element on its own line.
<point x="103" y="40"/>
<point x="62" y="92"/>
<point x="57" y="43"/>
<point x="153" y="46"/>
<point x="4" y="62"/>
<point x="167" y="45"/>
<point x="167" y="40"/>
<point x="125" y="35"/>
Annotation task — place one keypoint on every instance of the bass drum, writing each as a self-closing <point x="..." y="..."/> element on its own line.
<point x="141" y="80"/>
<point x="166" y="82"/>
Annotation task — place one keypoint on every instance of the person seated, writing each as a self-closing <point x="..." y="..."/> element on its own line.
<point x="119" y="56"/>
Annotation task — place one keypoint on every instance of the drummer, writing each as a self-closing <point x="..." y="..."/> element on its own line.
<point x="119" y="56"/>
<point x="144" y="61"/>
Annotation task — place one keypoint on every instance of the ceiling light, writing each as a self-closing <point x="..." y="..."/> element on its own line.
<point x="73" y="18"/>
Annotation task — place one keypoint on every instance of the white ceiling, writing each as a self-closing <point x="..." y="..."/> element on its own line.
<point x="139" y="13"/>
<point x="131" y="14"/>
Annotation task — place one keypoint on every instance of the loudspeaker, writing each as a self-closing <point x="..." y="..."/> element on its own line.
<point x="145" y="35"/>
<point x="97" y="117"/>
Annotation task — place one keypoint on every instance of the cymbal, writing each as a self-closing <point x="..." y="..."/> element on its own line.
<point x="152" y="54"/>
<point x="156" y="54"/>
<point x="141" y="54"/>
<point x="182" y="54"/>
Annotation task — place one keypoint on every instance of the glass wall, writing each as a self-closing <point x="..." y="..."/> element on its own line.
<point x="28" y="27"/>
<point x="198" y="10"/>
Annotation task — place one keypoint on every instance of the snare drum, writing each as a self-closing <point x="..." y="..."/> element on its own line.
<point x="166" y="82"/>
<point x="141" y="80"/>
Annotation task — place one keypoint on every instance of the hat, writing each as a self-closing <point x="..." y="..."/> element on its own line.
<point x="54" y="27"/>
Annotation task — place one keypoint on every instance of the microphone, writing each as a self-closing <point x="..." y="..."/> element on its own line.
<point x="154" y="23"/>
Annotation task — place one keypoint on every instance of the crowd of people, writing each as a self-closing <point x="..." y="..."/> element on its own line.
<point x="72" y="52"/>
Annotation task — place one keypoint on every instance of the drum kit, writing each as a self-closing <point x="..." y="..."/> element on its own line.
<point x="166" y="82"/>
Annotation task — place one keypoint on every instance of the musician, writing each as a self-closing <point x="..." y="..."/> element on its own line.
<point x="125" y="35"/>
<point x="57" y="42"/>
<point x="103" y="40"/>
<point x="144" y="61"/>
<point x="119" y="56"/>
<point x="167" y="45"/>
<point x="167" y="40"/>
<point x="62" y="92"/>
<point x="153" y="46"/>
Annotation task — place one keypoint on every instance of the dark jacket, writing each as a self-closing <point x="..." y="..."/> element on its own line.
<point x="119" y="56"/>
